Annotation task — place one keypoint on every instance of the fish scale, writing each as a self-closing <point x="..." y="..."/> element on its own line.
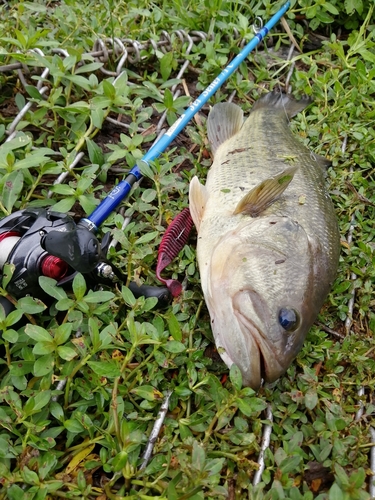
<point x="268" y="242"/>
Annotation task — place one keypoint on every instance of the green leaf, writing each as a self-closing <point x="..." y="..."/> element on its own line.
<point x="80" y="81"/>
<point x="63" y="189"/>
<point x="174" y="327"/>
<point x="97" y="297"/>
<point x="19" y="368"/>
<point x="8" y="270"/>
<point x="47" y="463"/>
<point x="341" y="476"/>
<point x="109" y="90"/>
<point x="56" y="410"/>
<point x="149" y="195"/>
<point x="29" y="305"/>
<point x="72" y="425"/>
<point x="65" y="204"/>
<point x="120" y="460"/>
<point x="10" y="336"/>
<point x="13" y="317"/>
<point x="352" y="5"/>
<point x="168" y="99"/>
<point x="97" y="117"/>
<point x="147" y="392"/>
<point x="42" y="348"/>
<point x="95" y="152"/>
<point x="128" y="296"/>
<point x="66" y="353"/>
<point x="198" y="457"/>
<point x="156" y="465"/>
<point x="331" y="8"/>
<point x="34" y="159"/>
<point x="290" y="464"/>
<point x="62" y="333"/>
<point x="43" y="365"/>
<point x="38" y="333"/>
<point x="33" y="92"/>
<point x="94" y="334"/>
<point x="88" y="68"/>
<point x="250" y="406"/>
<point x="145" y="169"/>
<point x="311" y="399"/>
<point x="64" y="304"/>
<point x="357" y="478"/>
<point x="182" y="391"/>
<point x="29" y="476"/>
<point x="49" y="286"/>
<point x="12" y="187"/>
<point x="146" y="238"/>
<point x="14" y="492"/>
<point x="171" y="490"/>
<point x="108" y="369"/>
<point x="41" y="400"/>
<point x="174" y="346"/>
<point x="335" y="493"/>
<point x="166" y="65"/>
<point x="235" y="376"/>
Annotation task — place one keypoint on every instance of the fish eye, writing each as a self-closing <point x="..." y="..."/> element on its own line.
<point x="288" y="319"/>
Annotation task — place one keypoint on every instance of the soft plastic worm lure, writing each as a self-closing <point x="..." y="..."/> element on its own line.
<point x="172" y="243"/>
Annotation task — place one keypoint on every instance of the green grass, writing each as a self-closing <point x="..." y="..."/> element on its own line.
<point x="82" y="382"/>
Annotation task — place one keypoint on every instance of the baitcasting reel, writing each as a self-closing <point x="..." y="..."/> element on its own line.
<point x="38" y="242"/>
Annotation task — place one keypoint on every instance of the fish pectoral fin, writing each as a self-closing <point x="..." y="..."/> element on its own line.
<point x="198" y="197"/>
<point x="223" y="122"/>
<point x="265" y="193"/>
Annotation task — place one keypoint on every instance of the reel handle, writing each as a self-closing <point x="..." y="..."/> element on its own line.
<point x="161" y="293"/>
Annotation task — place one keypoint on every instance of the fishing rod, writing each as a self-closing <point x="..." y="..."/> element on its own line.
<point x="121" y="191"/>
<point x="35" y="242"/>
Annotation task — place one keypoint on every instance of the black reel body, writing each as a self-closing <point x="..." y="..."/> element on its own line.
<point x="38" y="242"/>
<point x="21" y="252"/>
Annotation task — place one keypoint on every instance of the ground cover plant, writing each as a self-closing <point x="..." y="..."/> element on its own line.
<point x="84" y="374"/>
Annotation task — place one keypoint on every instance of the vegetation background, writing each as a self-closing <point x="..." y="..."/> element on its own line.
<point x="82" y="380"/>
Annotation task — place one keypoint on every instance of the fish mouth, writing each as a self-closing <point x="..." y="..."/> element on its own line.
<point x="264" y="359"/>
<point x="262" y="364"/>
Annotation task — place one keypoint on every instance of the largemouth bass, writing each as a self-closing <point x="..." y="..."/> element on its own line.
<point x="268" y="240"/>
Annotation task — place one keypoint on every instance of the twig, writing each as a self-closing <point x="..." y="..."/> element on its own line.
<point x="290" y="34"/>
<point x="330" y="331"/>
<point x="155" y="431"/>
<point x="358" y="416"/>
<point x="265" y="444"/>
<point x="290" y="72"/>
<point x="359" y="196"/>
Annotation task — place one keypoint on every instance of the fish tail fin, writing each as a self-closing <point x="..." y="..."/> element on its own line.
<point x="282" y="102"/>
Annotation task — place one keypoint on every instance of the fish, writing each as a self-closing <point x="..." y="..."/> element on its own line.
<point x="267" y="236"/>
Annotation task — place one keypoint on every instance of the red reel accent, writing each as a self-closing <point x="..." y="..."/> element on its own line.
<point x="7" y="234"/>
<point x="54" y="267"/>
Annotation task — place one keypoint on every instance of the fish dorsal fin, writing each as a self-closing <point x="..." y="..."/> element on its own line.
<point x="224" y="121"/>
<point x="283" y="102"/>
<point x="198" y="196"/>
<point x="265" y="193"/>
